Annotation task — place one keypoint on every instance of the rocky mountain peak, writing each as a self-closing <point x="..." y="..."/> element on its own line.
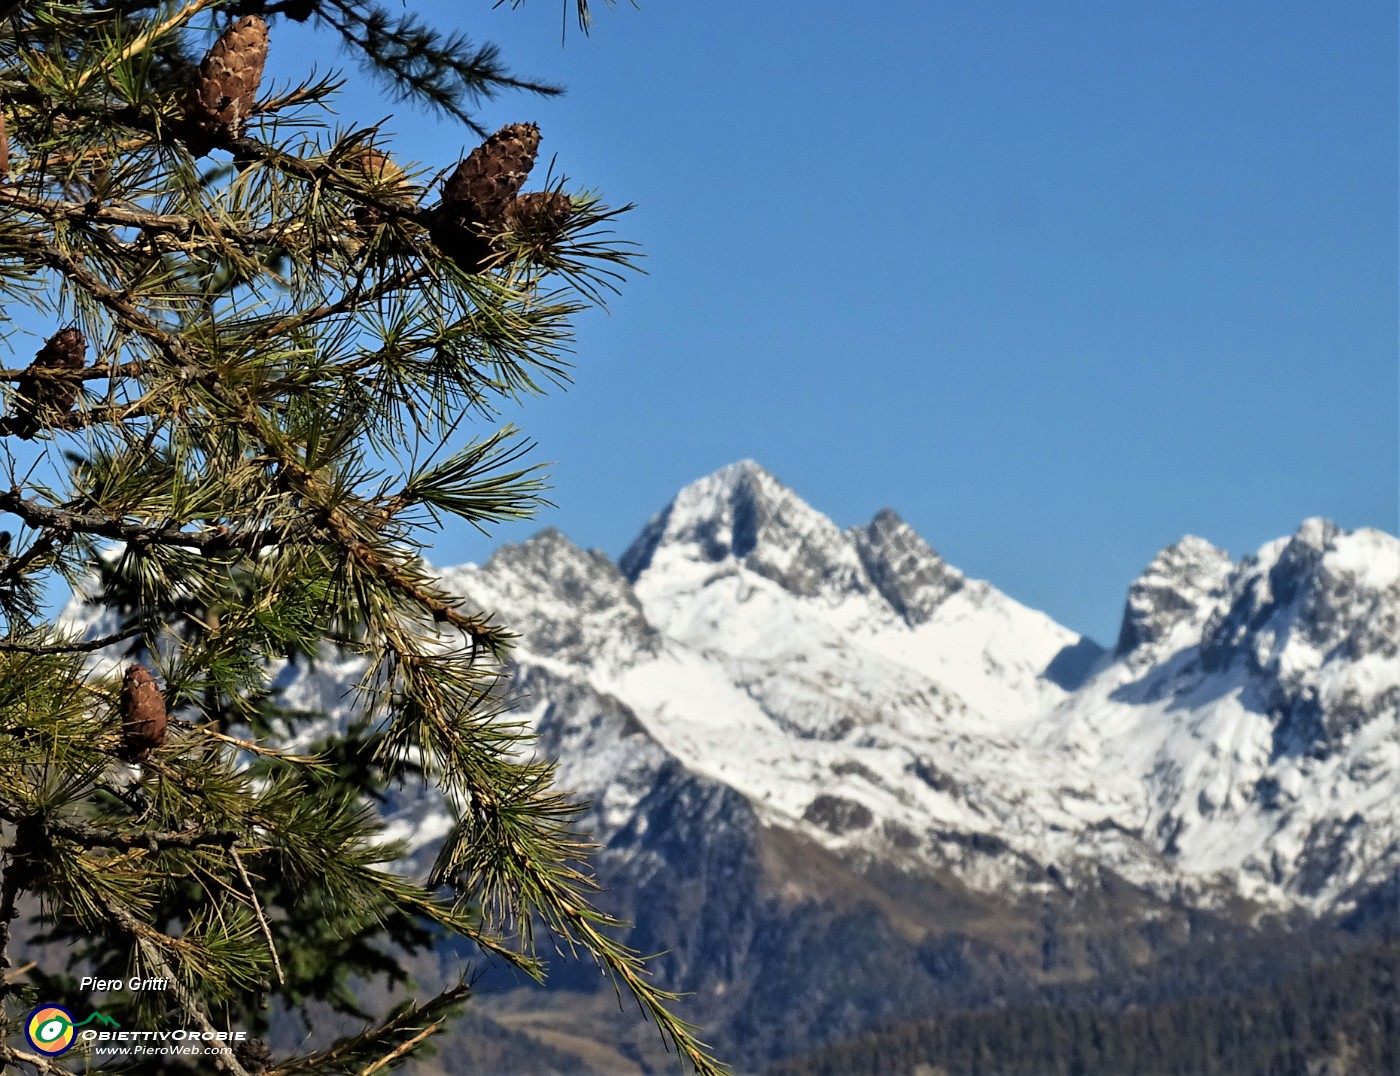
<point x="585" y="579"/>
<point x="1325" y="588"/>
<point x="742" y="515"/>
<point x="568" y="596"/>
<point x="904" y="568"/>
<point x="1181" y="583"/>
<point x="1301" y="558"/>
<point x="1316" y="616"/>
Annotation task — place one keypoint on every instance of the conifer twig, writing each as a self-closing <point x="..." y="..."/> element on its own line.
<point x="258" y="913"/>
<point x="145" y="38"/>
<point x="24" y="969"/>
<point x="399" y="1050"/>
<point x="42" y="1064"/>
<point x="139" y="933"/>
<point x="342" y="1051"/>
<point x="80" y="647"/>
<point x="257" y="748"/>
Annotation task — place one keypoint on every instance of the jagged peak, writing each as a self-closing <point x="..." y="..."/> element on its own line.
<point x="732" y="488"/>
<point x="570" y="602"/>
<point x="548" y="543"/>
<point x="905" y="569"/>
<point x="1291" y="565"/>
<point x="696" y="512"/>
<point x="738" y="471"/>
<point x="1178" y="584"/>
<point x="586" y="577"/>
<point x="743" y="513"/>
<point x="1296" y="609"/>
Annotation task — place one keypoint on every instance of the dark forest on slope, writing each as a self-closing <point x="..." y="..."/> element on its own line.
<point x="1338" y="1019"/>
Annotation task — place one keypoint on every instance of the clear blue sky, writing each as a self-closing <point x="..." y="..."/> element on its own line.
<point x="1058" y="282"/>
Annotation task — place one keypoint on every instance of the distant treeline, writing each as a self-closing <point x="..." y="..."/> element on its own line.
<point x="1338" y="1019"/>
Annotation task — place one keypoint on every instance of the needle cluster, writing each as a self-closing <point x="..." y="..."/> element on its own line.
<point x="264" y="350"/>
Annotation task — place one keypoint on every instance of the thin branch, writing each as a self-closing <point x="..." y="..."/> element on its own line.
<point x="14" y="973"/>
<point x="353" y="299"/>
<point x="141" y="934"/>
<point x="96" y="372"/>
<point x="258" y="912"/>
<point x="244" y="147"/>
<point x="257" y="748"/>
<point x="43" y="1064"/>
<point x="72" y="648"/>
<point x="318" y="1061"/>
<point x="177" y="231"/>
<point x="119" y="303"/>
<point x="14" y="568"/>
<point x="143" y="40"/>
<point x="400" y="1050"/>
<point x="213" y="539"/>
<point x="92" y="837"/>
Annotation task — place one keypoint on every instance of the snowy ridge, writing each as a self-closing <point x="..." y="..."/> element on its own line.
<point x="1241" y="740"/>
<point x="1261" y="746"/>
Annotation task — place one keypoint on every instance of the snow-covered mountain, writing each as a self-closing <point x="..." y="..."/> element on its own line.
<point x="825" y="762"/>
<point x="1242" y="740"/>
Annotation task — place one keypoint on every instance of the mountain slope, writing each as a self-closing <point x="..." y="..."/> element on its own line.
<point x="1241" y="740"/>
<point x="824" y="765"/>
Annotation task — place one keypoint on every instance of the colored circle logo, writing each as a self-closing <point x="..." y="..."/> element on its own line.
<point x="50" y="1030"/>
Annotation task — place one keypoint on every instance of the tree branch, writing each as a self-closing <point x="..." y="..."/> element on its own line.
<point x="367" y="1039"/>
<point x="91" y="837"/>
<point x="72" y="648"/>
<point x="17" y="876"/>
<point x="258" y="912"/>
<point x="181" y="233"/>
<point x="119" y="303"/>
<point x="213" y="539"/>
<point x="42" y="1064"/>
<point x="140" y="933"/>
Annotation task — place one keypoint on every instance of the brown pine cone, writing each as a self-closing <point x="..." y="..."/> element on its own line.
<point x="476" y="195"/>
<point x="493" y="173"/>
<point x="381" y="170"/>
<point x="223" y="97"/>
<point x="48" y="388"/>
<point x="143" y="714"/>
<point x="539" y="215"/>
<point x="254" y="1055"/>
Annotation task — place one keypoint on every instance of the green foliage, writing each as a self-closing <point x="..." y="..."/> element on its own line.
<point x="278" y="360"/>
<point x="1341" y="1018"/>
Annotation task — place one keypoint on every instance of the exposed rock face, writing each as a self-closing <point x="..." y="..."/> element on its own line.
<point x="741" y="514"/>
<point x="1180" y="584"/>
<point x="862" y="693"/>
<point x="1316" y="618"/>
<point x="825" y="761"/>
<point x="565" y="602"/>
<point x="904" y="568"/>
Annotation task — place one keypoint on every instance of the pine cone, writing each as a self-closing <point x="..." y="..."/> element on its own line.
<point x="539" y="215"/>
<point x="228" y="82"/>
<point x="47" y="388"/>
<point x="475" y="197"/>
<point x="143" y="714"/>
<point x="493" y="173"/>
<point x="381" y="170"/>
<point x="254" y="1055"/>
